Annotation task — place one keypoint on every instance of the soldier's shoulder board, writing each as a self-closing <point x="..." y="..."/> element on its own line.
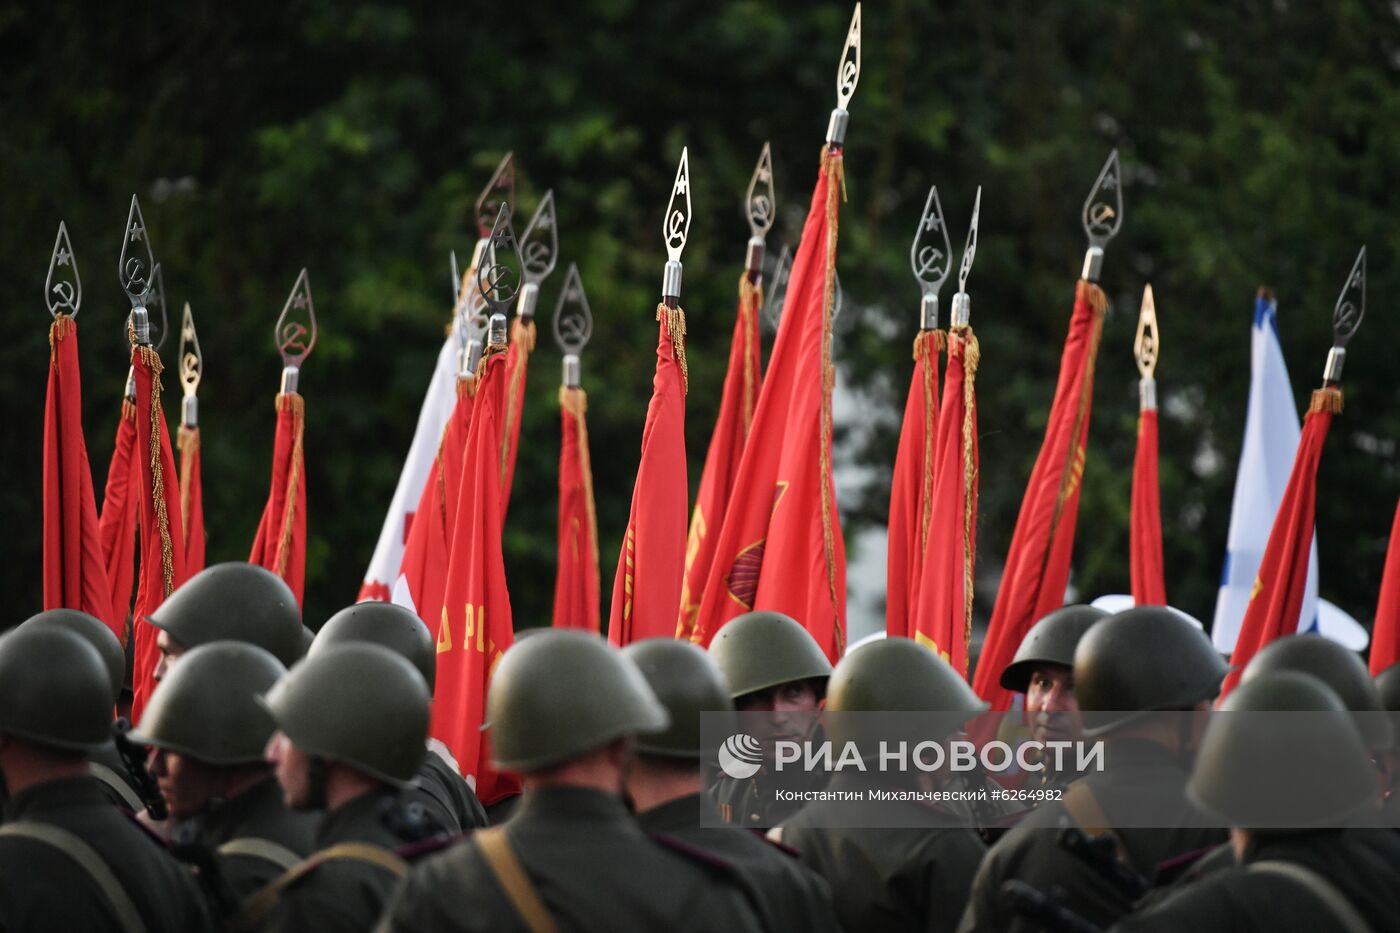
<point x="695" y="853"/>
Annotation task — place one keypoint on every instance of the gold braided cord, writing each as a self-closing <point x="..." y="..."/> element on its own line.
<point x="151" y="360"/>
<point x="834" y="167"/>
<point x="574" y="403"/>
<point x="926" y="347"/>
<point x="674" y="319"/>
<point x="1327" y="399"/>
<point x="293" y="402"/>
<point x="750" y="300"/>
<point x="59" y="330"/>
<point x="188" y="443"/>
<point x="523" y="336"/>
<point x="972" y="356"/>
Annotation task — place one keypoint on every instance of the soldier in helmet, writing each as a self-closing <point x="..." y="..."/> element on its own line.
<point x="205" y="729"/>
<point x="915" y="877"/>
<point x="664" y="784"/>
<point x="563" y="709"/>
<point x="105" y="761"/>
<point x="229" y="602"/>
<point x="351" y="724"/>
<point x="438" y="786"/>
<point x="1126" y="667"/>
<point x="1313" y="875"/>
<point x="773" y="666"/>
<point x="69" y="860"/>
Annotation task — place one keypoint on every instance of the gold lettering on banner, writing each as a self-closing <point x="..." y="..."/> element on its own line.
<point x="444" y="639"/>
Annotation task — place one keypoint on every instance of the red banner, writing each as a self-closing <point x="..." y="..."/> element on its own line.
<point x="191" y="499"/>
<point x="911" y="490"/>
<point x="646" y="595"/>
<point x="1277" y="598"/>
<point x="522" y="344"/>
<point x="75" y="571"/>
<point x="1385" y="633"/>
<point x="576" y="568"/>
<point x="1037" y="564"/>
<point x="742" y="381"/>
<point x="476" y="626"/>
<point x="1149" y="585"/>
<point x="280" y="542"/>
<point x="943" y="617"/>
<point x="780" y="546"/>
<point x="116" y="526"/>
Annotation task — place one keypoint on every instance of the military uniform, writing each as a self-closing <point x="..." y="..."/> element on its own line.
<point x="444" y="794"/>
<point x="45" y="889"/>
<point x="788" y="895"/>
<point x="105" y="763"/>
<point x="914" y="879"/>
<point x="753" y="804"/>
<point x="589" y="863"/>
<point x="239" y="829"/>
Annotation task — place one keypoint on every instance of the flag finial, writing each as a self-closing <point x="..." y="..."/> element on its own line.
<point x="931" y="258"/>
<point x="1147" y="344"/>
<point x="539" y="251"/>
<point x="847" y="77"/>
<point x="773" y="304"/>
<point x="499" y="190"/>
<point x="295" y="332"/>
<point x="1346" y="318"/>
<point x="962" y="302"/>
<point x="191" y="368"/>
<point x="1102" y="215"/>
<point x="135" y="269"/>
<point x="158" y="298"/>
<point x="760" y="203"/>
<point x="676" y="230"/>
<point x="63" y="289"/>
<point x="573" y="324"/>
<point x="502" y="270"/>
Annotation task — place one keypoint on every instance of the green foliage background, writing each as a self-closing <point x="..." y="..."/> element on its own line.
<point x="1259" y="140"/>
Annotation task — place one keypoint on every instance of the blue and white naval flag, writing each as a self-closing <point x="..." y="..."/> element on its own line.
<point x="1271" y="431"/>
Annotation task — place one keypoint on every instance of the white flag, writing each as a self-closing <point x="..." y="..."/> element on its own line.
<point x="1271" y="432"/>
<point x="432" y="419"/>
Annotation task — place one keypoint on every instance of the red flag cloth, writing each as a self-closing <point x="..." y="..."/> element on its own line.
<point x="191" y="499"/>
<point x="75" y="571"/>
<point x="280" y="542"/>
<point x="476" y="626"/>
<point x="576" y="570"/>
<point x="162" y="537"/>
<point x="943" y="615"/>
<point x="911" y="490"/>
<point x="1277" y="598"/>
<point x="742" y="381"/>
<point x="780" y="545"/>
<point x="522" y="344"/>
<point x="647" y="590"/>
<point x="424" y="566"/>
<point x="1149" y="584"/>
<point x="1385" y="633"/>
<point x="1037" y="564"/>
<point x="120" y="509"/>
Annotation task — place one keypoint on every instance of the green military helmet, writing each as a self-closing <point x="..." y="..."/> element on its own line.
<point x="760" y="650"/>
<point x="688" y="682"/>
<point x="1139" y="660"/>
<point x="1388" y="688"/>
<point x="560" y="694"/>
<point x="360" y="705"/>
<point x="1259" y="772"/>
<point x="96" y="633"/>
<point x="1052" y="640"/>
<point x="234" y="602"/>
<point x="396" y="628"/>
<point x="1335" y="666"/>
<point x="307" y="637"/>
<point x="208" y="706"/>
<point x="54" y="688"/>
<point x="897" y="675"/>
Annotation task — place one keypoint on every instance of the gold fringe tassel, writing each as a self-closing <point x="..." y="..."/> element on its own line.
<point x="59" y="330"/>
<point x="1326" y="399"/>
<point x="523" y="335"/>
<point x="187" y="440"/>
<point x="574" y="404"/>
<point x="293" y="402"/>
<point x="972" y="357"/>
<point x="750" y="300"/>
<point x="834" y="168"/>
<point x="674" y="319"/>
<point x="926" y="348"/>
<point x="151" y="360"/>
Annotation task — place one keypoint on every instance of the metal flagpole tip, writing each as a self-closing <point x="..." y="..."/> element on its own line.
<point x="63" y="289"/>
<point x="539" y="251"/>
<point x="135" y="269"/>
<point x="931" y="258"/>
<point x="773" y="304"/>
<point x="191" y="368"/>
<point x="157" y="298"/>
<point x="675" y="230"/>
<point x="847" y="77"/>
<point x="573" y="324"/>
<point x="1346" y="318"/>
<point x="295" y="332"/>
<point x="1146" y="346"/>
<point x="760" y="205"/>
<point x="962" y="303"/>
<point x="1102" y="215"/>
<point x="456" y="281"/>
<point x="501" y="273"/>
<point x="498" y="191"/>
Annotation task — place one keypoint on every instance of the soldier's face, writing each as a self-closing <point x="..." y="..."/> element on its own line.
<point x="1054" y="712"/>
<point x="186" y="784"/>
<point x="293" y="767"/>
<point x="170" y="652"/>
<point x="792" y="710"/>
